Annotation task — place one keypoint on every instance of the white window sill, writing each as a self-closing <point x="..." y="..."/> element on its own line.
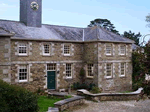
<point x="108" y="77"/>
<point x="46" y="54"/>
<point x="108" y="54"/>
<point x="23" y="81"/>
<point x="91" y="77"/>
<point x="68" y="77"/>
<point x="122" y="54"/>
<point x="22" y="54"/>
<point x="67" y="55"/>
<point x="121" y="75"/>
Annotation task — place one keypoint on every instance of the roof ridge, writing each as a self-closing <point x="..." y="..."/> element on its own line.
<point x="63" y="26"/>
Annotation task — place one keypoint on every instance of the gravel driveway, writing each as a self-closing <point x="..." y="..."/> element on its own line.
<point x="115" y="106"/>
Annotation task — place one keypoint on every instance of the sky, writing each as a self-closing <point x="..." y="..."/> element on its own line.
<point x="124" y="14"/>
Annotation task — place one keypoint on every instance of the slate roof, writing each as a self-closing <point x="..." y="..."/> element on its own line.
<point x="55" y="32"/>
<point x="4" y="32"/>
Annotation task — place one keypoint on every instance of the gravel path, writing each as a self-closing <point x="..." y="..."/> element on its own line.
<point x="115" y="106"/>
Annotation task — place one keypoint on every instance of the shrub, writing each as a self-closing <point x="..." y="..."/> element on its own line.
<point x="78" y="85"/>
<point x="17" y="99"/>
<point x="96" y="90"/>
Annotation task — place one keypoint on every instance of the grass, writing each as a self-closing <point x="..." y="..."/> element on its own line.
<point x="44" y="102"/>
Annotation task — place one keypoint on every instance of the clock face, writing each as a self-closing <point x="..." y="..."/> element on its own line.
<point x="34" y="6"/>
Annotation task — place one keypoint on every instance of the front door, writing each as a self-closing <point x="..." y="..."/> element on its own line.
<point x="51" y="79"/>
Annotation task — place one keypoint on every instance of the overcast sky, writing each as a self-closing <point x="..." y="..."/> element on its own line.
<point x="124" y="14"/>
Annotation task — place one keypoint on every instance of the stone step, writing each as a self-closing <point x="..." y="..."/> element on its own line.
<point x="53" y="109"/>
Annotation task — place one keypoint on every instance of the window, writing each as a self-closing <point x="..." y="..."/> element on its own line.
<point x="90" y="69"/>
<point x="22" y="49"/>
<point x="23" y="73"/>
<point x="108" y="49"/>
<point x="66" y="49"/>
<point x="122" y="69"/>
<point x="108" y="70"/>
<point x="46" y="49"/>
<point x="122" y="50"/>
<point x="68" y="70"/>
<point x="51" y="67"/>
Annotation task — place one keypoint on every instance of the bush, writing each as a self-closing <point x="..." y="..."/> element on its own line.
<point x="96" y="90"/>
<point x="78" y="85"/>
<point x="17" y="99"/>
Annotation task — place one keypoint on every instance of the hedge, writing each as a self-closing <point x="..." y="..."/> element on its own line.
<point x="17" y="99"/>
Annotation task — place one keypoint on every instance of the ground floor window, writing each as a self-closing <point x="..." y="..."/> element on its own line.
<point x="68" y="70"/>
<point x="109" y="70"/>
<point x="23" y="73"/>
<point x="90" y="69"/>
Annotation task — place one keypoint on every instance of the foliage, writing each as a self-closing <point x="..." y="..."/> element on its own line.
<point x="44" y="102"/>
<point x="148" y="19"/>
<point x="131" y="35"/>
<point x="68" y="96"/>
<point x="78" y="85"/>
<point x="104" y="23"/>
<point x="40" y="91"/>
<point x="82" y="75"/>
<point x="141" y="66"/>
<point x="17" y="99"/>
<point x="96" y="90"/>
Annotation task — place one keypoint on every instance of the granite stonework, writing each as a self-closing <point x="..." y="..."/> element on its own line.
<point x="82" y="53"/>
<point x="87" y="46"/>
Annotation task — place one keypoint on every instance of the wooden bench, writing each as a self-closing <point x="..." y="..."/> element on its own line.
<point x="70" y="102"/>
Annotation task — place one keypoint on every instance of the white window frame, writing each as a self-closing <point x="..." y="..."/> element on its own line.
<point x="23" y="45"/>
<point x="124" y="50"/>
<point x="90" y="69"/>
<point x="70" y="70"/>
<point x="110" y="71"/>
<point x="51" y="67"/>
<point x="122" y="75"/>
<point x="67" y="54"/>
<point x="23" y="67"/>
<point x="109" y="54"/>
<point x="46" y="54"/>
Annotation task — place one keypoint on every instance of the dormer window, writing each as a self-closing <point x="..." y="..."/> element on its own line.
<point x="22" y="50"/>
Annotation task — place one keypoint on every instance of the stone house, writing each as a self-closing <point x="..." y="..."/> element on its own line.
<point x="35" y="55"/>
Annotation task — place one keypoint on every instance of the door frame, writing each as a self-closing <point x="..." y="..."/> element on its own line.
<point x="47" y="76"/>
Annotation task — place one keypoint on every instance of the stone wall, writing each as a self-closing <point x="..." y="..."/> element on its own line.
<point x="91" y="57"/>
<point x="5" y="59"/>
<point x="117" y="82"/>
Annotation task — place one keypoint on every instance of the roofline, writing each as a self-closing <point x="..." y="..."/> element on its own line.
<point x="5" y="35"/>
<point x="73" y="41"/>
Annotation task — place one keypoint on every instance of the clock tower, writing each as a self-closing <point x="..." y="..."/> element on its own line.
<point x="31" y="12"/>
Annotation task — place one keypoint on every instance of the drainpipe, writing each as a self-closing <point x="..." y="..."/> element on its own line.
<point x="83" y="35"/>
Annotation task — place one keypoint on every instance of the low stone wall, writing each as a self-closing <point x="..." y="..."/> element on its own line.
<point x="111" y="96"/>
<point x="70" y="102"/>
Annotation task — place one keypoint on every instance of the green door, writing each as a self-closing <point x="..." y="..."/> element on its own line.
<point x="51" y="79"/>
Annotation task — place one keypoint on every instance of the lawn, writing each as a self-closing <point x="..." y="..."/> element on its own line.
<point x="44" y="102"/>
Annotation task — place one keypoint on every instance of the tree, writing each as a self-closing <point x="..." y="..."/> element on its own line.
<point x="141" y="66"/>
<point x="104" y="23"/>
<point x="131" y="35"/>
<point x="148" y="19"/>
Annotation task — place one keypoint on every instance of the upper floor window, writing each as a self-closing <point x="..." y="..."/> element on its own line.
<point x="68" y="70"/>
<point x="122" y="69"/>
<point x="90" y="70"/>
<point x="122" y="50"/>
<point x="109" y="70"/>
<point x="108" y="49"/>
<point x="46" y="49"/>
<point x="23" y="73"/>
<point x="67" y="49"/>
<point x="22" y="49"/>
